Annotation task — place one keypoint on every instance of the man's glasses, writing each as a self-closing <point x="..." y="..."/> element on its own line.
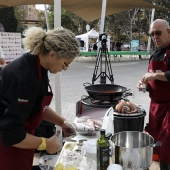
<point x="157" y="33"/>
<point x="64" y="64"/>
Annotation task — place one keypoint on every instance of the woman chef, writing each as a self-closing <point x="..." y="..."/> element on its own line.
<point x="25" y="95"/>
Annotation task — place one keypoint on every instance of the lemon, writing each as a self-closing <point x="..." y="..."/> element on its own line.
<point x="71" y="168"/>
<point x="59" y="166"/>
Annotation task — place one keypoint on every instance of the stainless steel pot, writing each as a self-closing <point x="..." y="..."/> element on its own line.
<point x="133" y="150"/>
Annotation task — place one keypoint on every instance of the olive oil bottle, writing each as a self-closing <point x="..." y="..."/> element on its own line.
<point x="102" y="151"/>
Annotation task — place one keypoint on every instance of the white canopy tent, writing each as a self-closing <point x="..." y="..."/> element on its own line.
<point x="92" y="34"/>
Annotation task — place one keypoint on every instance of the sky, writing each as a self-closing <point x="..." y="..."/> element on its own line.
<point x="41" y="6"/>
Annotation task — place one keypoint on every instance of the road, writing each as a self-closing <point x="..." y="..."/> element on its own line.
<point x="126" y="72"/>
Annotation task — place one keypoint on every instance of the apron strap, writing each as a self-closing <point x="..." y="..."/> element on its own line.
<point x="40" y="74"/>
<point x="167" y="54"/>
<point x="50" y="88"/>
<point x="39" y="69"/>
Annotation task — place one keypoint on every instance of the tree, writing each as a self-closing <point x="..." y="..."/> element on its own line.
<point x="121" y="25"/>
<point x="20" y="16"/>
<point x="163" y="14"/>
<point x="42" y="19"/>
<point x="8" y="19"/>
<point x="68" y="20"/>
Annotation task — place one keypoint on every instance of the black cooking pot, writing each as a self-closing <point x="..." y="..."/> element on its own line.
<point x="129" y="122"/>
<point x="105" y="92"/>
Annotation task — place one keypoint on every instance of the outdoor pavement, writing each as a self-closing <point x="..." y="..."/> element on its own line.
<point x="126" y="72"/>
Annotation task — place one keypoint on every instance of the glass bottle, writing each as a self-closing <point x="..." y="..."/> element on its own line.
<point x="102" y="151"/>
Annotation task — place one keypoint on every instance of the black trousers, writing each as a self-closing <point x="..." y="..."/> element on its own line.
<point x="164" y="166"/>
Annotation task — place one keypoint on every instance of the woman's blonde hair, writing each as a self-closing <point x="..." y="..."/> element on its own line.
<point x="61" y="40"/>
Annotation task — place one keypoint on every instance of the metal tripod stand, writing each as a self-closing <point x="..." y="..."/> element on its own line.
<point x="103" y="55"/>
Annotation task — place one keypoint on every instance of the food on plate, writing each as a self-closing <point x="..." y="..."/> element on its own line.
<point x="126" y="107"/>
<point x="87" y="121"/>
<point x="90" y="123"/>
<point x="98" y="123"/>
<point x="70" y="158"/>
<point x="86" y="125"/>
<point x="83" y="119"/>
<point x="59" y="166"/>
<point x="82" y="128"/>
<point x="70" y="146"/>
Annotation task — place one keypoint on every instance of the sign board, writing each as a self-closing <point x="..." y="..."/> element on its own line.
<point x="134" y="45"/>
<point x="11" y="45"/>
<point x="2" y="29"/>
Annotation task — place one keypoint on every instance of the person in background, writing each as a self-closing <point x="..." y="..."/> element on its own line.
<point x="94" y="47"/>
<point x="2" y="59"/>
<point x="113" y="46"/>
<point x="140" y="48"/>
<point x="157" y="81"/>
<point x="118" y="46"/>
<point x="25" y="96"/>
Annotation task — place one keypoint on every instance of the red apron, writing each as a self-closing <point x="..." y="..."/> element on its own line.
<point x="159" y="116"/>
<point x="22" y="159"/>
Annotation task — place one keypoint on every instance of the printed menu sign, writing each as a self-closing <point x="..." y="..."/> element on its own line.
<point x="11" y="45"/>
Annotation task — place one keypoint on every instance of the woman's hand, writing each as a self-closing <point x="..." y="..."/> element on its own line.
<point x="52" y="146"/>
<point x="68" y="129"/>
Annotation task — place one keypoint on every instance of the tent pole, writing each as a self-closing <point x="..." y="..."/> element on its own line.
<point x="57" y="24"/>
<point x="46" y="16"/>
<point x="103" y="13"/>
<point x="149" y="38"/>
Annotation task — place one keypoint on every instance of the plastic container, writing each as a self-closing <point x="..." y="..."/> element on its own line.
<point x="89" y="149"/>
<point x="114" y="167"/>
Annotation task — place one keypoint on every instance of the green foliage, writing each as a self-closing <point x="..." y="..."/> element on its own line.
<point x="162" y="14"/>
<point x="20" y="16"/>
<point x="7" y="18"/>
<point x="68" y="20"/>
<point x="42" y="19"/>
<point x="51" y="16"/>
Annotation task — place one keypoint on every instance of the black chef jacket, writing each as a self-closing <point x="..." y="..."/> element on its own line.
<point x="21" y="94"/>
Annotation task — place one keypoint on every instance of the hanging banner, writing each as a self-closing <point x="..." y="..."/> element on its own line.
<point x="11" y="45"/>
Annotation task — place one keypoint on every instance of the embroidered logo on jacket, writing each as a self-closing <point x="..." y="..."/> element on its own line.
<point x="155" y="71"/>
<point x="22" y="101"/>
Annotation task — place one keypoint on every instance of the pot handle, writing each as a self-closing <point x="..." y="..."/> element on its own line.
<point x="128" y="93"/>
<point x="157" y="144"/>
<point x="84" y="97"/>
<point x="86" y="84"/>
